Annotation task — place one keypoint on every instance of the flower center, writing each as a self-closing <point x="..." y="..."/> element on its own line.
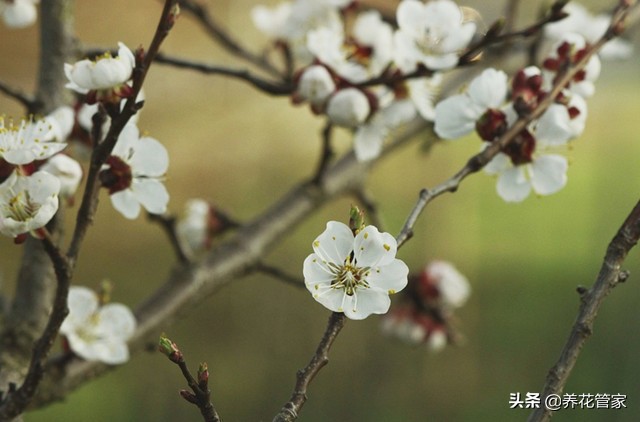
<point x="20" y="207"/>
<point x="349" y="278"/>
<point x="118" y="176"/>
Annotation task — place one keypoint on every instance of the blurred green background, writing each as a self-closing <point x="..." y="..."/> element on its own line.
<point x="242" y="149"/>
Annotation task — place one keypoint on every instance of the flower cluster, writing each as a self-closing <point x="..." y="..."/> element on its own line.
<point x="339" y="60"/>
<point x="354" y="274"/>
<point x="33" y="172"/>
<point x="492" y="104"/>
<point x="95" y="331"/>
<point x="424" y="314"/>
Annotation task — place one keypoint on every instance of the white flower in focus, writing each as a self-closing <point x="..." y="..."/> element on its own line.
<point x="133" y="174"/>
<point x="28" y="141"/>
<point x="106" y="73"/>
<point x="431" y="34"/>
<point x="348" y="107"/>
<point x="457" y="115"/>
<point x="193" y="229"/>
<point x="354" y="275"/>
<point x="315" y="85"/>
<point x="453" y="287"/>
<point x="67" y="170"/>
<point x="27" y="203"/>
<point x="545" y="174"/>
<point x="592" y="28"/>
<point x="18" y="13"/>
<point x="97" y="333"/>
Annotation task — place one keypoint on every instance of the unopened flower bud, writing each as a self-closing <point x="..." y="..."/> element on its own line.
<point x="348" y="107"/>
<point x="169" y="349"/>
<point x="316" y="84"/>
<point x="356" y="219"/>
<point x="203" y="375"/>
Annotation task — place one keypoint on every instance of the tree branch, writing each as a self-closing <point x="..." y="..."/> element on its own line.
<point x="215" y="30"/>
<point x="609" y="276"/>
<point x="273" y="88"/>
<point x="290" y="410"/>
<point x="24" y="99"/>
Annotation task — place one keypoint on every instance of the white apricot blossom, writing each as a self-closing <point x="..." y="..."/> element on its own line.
<point x="107" y="74"/>
<point x="18" y="13"/>
<point x="133" y="174"/>
<point x="354" y="274"/>
<point x="97" y="333"/>
<point x="193" y="229"/>
<point x="457" y="115"/>
<point x="452" y="287"/>
<point x="27" y="203"/>
<point x="28" y="141"/>
<point x="315" y="85"/>
<point x="431" y="34"/>
<point x="67" y="170"/>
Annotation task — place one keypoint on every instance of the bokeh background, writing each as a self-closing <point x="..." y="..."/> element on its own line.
<point x="241" y="149"/>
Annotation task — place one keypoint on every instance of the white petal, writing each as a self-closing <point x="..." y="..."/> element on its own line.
<point x="367" y="142"/>
<point x="489" y="89"/>
<point x="366" y="302"/>
<point x="513" y="185"/>
<point x="411" y="17"/>
<point x="150" y="158"/>
<point x="151" y="194"/>
<point x="116" y="321"/>
<point x="498" y="164"/>
<point x="126" y="204"/>
<point x="548" y="174"/>
<point x="390" y="278"/>
<point x="456" y="116"/>
<point x="82" y="303"/>
<point x="315" y="271"/>
<point x="111" y="352"/>
<point x="335" y="243"/>
<point x="373" y="248"/>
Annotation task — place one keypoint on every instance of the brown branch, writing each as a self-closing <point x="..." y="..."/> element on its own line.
<point x="200" y="395"/>
<point x="26" y="100"/>
<point x="291" y="409"/>
<point x="215" y="30"/>
<point x="326" y="155"/>
<point x="168" y="224"/>
<point x="279" y="274"/>
<point x="274" y="88"/>
<point x="591" y="300"/>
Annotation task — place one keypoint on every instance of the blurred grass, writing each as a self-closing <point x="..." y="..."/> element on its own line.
<point x="242" y="150"/>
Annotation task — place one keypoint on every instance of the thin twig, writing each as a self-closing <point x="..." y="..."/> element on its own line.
<point x="26" y="100"/>
<point x="279" y="274"/>
<point x="168" y="224"/>
<point x="326" y="155"/>
<point x="200" y="395"/>
<point x="609" y="276"/>
<point x="290" y="410"/>
<point x="215" y="30"/>
<point x="274" y="88"/>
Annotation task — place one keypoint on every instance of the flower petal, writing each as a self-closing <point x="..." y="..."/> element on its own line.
<point x="548" y="174"/>
<point x="366" y="302"/>
<point x="125" y="203"/>
<point x="456" y="116"/>
<point x="152" y="195"/>
<point x="335" y="243"/>
<point x="373" y="248"/>
<point x="513" y="185"/>
<point x="390" y="278"/>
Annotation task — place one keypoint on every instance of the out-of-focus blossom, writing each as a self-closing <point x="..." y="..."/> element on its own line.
<point x="18" y="13"/>
<point x="27" y="203"/>
<point x="591" y="27"/>
<point x="348" y="107"/>
<point x="97" y="333"/>
<point x="27" y="141"/>
<point x="430" y="34"/>
<point x="67" y="170"/>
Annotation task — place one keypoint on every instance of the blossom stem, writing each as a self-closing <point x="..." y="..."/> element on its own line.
<point x="291" y="409"/>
